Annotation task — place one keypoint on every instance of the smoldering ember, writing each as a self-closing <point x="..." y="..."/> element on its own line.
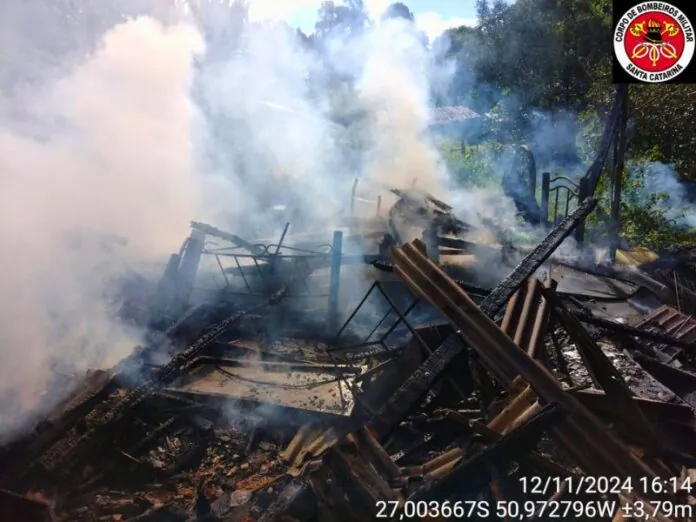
<point x="346" y="327"/>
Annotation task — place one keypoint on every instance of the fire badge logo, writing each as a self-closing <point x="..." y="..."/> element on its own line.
<point x="654" y="42"/>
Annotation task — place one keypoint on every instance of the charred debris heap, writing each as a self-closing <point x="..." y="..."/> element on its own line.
<point x="320" y="383"/>
<point x="252" y="402"/>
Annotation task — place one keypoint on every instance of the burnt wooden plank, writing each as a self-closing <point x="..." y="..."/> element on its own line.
<point x="283" y="504"/>
<point x="410" y="392"/>
<point x="68" y="450"/>
<point x="634" y="331"/>
<point x="600" y="368"/>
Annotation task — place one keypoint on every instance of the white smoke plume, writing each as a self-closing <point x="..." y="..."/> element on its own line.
<point x="260" y="104"/>
<point x="266" y="139"/>
<point x="660" y="187"/>
<point x="101" y="149"/>
<point x="395" y="86"/>
<point x="134" y="131"/>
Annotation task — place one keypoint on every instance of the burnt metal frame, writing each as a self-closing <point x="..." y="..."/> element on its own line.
<point x="496" y="299"/>
<point x="263" y="253"/>
<point x="574" y="191"/>
<point x="401" y="318"/>
<point x="272" y="258"/>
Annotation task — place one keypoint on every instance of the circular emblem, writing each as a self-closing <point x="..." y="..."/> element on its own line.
<point x="654" y="42"/>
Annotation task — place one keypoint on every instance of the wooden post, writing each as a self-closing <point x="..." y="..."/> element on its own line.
<point x="583" y="193"/>
<point x="431" y="238"/>
<point x="334" y="281"/>
<point x="618" y="167"/>
<point x="352" y="197"/>
<point x="188" y="268"/>
<point x="166" y="288"/>
<point x="545" y="188"/>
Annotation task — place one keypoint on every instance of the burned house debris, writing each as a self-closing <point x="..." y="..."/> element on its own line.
<point x="287" y="394"/>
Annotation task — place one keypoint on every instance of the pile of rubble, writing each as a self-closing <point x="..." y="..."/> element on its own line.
<point x="245" y="405"/>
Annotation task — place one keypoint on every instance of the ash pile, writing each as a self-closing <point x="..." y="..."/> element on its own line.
<point x="270" y="399"/>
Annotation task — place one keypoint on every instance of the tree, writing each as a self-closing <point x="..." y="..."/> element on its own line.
<point x="460" y="46"/>
<point x="548" y="55"/>
<point x="555" y="54"/>
<point x="341" y="21"/>
<point x="223" y="25"/>
<point x="665" y="116"/>
<point x="398" y="10"/>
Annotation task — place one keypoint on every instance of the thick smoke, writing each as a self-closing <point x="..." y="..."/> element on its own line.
<point x="268" y="143"/>
<point x="274" y="135"/>
<point x="132" y="130"/>
<point x="102" y="149"/>
<point x="660" y="187"/>
<point x="395" y="86"/>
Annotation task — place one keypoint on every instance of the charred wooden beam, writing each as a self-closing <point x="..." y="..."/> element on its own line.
<point x="617" y="178"/>
<point x="14" y="507"/>
<point x="210" y="230"/>
<point x="438" y="203"/>
<point x="601" y="369"/>
<point x="64" y="455"/>
<point x="283" y="505"/>
<point x="457" y="244"/>
<point x="83" y="408"/>
<point x="335" y="280"/>
<point x="640" y="333"/>
<point x="610" y="130"/>
<point x="657" y="411"/>
<point x="582" y="430"/>
<point x="151" y="436"/>
<point x="682" y="383"/>
<point x="500" y="295"/>
<point x="410" y="392"/>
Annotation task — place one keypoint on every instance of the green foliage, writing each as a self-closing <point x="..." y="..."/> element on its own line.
<point x="537" y="54"/>
<point x="558" y="55"/>
<point x="645" y="219"/>
<point x="341" y="20"/>
<point x="590" y="135"/>
<point x="474" y="165"/>
<point x="665" y="116"/>
<point x="646" y="225"/>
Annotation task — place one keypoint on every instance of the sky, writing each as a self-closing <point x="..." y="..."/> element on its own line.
<point x="432" y="16"/>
